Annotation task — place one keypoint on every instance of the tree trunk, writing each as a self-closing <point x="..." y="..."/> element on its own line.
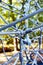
<point x="17" y="45"/>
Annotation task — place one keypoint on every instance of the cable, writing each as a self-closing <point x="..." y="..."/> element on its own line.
<point x="4" y="20"/>
<point x="21" y="19"/>
<point x="11" y="10"/>
<point x="10" y="6"/>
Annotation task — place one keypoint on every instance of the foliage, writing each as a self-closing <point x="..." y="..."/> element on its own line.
<point x="10" y="41"/>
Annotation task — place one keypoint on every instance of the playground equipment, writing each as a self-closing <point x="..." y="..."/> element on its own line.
<point x="37" y="53"/>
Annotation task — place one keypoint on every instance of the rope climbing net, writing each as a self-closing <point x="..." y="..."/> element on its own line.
<point x="34" y="56"/>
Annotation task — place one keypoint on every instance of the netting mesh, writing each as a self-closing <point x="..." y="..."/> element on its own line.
<point x="22" y="22"/>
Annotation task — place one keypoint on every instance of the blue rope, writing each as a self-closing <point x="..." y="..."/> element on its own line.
<point x="21" y="19"/>
<point x="38" y="63"/>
